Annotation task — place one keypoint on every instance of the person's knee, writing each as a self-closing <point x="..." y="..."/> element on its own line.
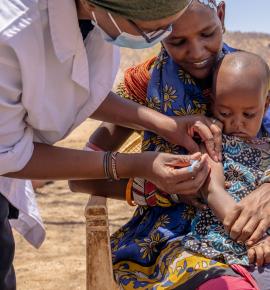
<point x="4" y="209"/>
<point x="261" y="275"/>
<point x="7" y="250"/>
<point x="7" y="244"/>
<point x="227" y="283"/>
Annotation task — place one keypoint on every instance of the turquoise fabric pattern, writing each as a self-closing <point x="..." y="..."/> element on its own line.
<point x="246" y="168"/>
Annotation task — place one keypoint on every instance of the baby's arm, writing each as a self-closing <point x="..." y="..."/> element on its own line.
<point x="214" y="193"/>
<point x="107" y="137"/>
<point x="222" y="203"/>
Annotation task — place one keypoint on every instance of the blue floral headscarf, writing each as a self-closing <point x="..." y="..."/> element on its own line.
<point x="174" y="92"/>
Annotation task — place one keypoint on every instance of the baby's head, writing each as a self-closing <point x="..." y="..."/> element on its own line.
<point x="240" y="93"/>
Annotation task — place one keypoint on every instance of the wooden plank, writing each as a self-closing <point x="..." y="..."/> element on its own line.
<point x="98" y="251"/>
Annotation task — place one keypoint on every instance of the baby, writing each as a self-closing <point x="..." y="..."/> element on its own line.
<point x="240" y="99"/>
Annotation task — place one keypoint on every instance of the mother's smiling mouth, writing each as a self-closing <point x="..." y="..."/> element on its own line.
<point x="201" y="64"/>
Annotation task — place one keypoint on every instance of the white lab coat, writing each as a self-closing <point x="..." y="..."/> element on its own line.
<point x="50" y="82"/>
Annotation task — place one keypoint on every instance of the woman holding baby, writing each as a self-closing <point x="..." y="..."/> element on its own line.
<point x="148" y="253"/>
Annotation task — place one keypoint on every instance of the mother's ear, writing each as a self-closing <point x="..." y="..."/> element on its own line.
<point x="221" y="13"/>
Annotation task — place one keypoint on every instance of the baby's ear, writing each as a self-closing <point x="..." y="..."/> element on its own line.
<point x="211" y="100"/>
<point x="267" y="103"/>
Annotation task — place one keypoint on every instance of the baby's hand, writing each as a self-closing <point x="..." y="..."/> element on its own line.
<point x="259" y="254"/>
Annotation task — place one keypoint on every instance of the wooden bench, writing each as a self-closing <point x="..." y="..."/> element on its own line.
<point x="99" y="270"/>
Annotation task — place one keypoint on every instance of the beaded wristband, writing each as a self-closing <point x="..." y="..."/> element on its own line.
<point x="113" y="164"/>
<point x="106" y="159"/>
<point x="106" y="164"/>
<point x="109" y="165"/>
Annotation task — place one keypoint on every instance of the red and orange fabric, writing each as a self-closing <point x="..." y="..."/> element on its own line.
<point x="134" y="86"/>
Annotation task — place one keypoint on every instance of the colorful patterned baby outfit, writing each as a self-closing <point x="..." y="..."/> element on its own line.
<point x="246" y="167"/>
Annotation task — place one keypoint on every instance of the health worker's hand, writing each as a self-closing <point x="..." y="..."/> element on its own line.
<point x="174" y="173"/>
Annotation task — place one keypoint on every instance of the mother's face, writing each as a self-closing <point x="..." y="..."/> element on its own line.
<point x="196" y="39"/>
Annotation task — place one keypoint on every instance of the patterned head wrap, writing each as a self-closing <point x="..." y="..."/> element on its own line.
<point x="210" y="3"/>
<point x="142" y="9"/>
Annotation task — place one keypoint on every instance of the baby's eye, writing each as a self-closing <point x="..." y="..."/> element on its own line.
<point x="225" y="114"/>
<point x="249" y="115"/>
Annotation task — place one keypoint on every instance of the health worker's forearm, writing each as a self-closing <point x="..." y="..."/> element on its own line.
<point x="133" y="115"/>
<point x="56" y="163"/>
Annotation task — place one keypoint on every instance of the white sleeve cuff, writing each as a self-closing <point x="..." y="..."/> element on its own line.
<point x="15" y="158"/>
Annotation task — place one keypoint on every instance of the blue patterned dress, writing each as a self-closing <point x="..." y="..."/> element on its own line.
<point x="246" y="167"/>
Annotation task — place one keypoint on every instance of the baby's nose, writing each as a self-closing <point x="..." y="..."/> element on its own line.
<point x="237" y="123"/>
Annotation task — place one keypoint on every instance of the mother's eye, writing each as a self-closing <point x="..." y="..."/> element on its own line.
<point x="178" y="42"/>
<point x="208" y="34"/>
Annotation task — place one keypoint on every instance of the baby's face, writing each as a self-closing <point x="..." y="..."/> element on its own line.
<point x="241" y="109"/>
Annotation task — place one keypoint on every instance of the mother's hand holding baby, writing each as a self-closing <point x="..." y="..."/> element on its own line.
<point x="250" y="218"/>
<point x="208" y="129"/>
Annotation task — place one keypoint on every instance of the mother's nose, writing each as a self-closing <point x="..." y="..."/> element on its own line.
<point x="196" y="50"/>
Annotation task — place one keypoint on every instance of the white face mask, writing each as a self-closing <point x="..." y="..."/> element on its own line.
<point x="125" y="39"/>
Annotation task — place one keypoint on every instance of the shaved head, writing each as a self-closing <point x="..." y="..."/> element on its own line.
<point x="209" y="3"/>
<point x="240" y="93"/>
<point x="244" y="68"/>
